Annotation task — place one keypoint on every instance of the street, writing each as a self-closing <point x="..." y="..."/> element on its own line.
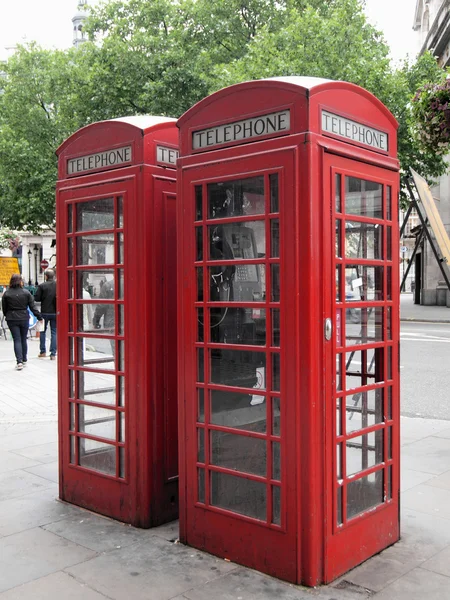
<point x="425" y="369"/>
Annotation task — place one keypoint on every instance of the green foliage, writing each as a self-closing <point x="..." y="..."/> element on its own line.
<point x="160" y="57"/>
<point x="431" y="110"/>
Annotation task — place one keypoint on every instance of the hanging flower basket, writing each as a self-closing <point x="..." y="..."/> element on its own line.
<point x="431" y="110"/>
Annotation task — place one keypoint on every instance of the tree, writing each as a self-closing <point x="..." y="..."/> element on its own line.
<point x="161" y="57"/>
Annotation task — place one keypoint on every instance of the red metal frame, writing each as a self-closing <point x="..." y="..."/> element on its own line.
<point x="306" y="547"/>
<point x="139" y="394"/>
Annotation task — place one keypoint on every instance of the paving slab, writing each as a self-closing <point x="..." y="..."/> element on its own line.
<point x="43" y="453"/>
<point x="439" y="563"/>
<point x="35" y="553"/>
<point x="440" y="481"/>
<point x="14" y="484"/>
<point x="166" y="569"/>
<point x="57" y="586"/>
<point x="429" y="455"/>
<point x="428" y="499"/>
<point x="408" y="478"/>
<point x="47" y="471"/>
<point x="417" y="584"/>
<point x="98" y="533"/>
<point x="32" y="510"/>
<point x="9" y="461"/>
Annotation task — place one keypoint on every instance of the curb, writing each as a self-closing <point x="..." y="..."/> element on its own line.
<point x="421" y="320"/>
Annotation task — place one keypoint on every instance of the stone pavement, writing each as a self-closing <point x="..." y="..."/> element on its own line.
<point x="416" y="312"/>
<point x="54" y="551"/>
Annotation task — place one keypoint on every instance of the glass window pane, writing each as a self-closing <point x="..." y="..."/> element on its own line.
<point x="237" y="326"/>
<point x="121" y="311"/>
<point x="198" y="203"/>
<point x="71" y="355"/>
<point x="200" y="365"/>
<point x="73" y="440"/>
<point x="274" y="201"/>
<point x="98" y="422"/>
<point x="120" y="211"/>
<point x="275" y="238"/>
<point x="363" y="240"/>
<point x="121" y="292"/>
<point x="339" y="506"/>
<point x="389" y="243"/>
<point x="121" y="427"/>
<point x="363" y="198"/>
<point x="364" y="409"/>
<point x="276" y="461"/>
<point x="338" y="283"/>
<point x="236" y="198"/>
<point x="95" y="249"/>
<point x="276" y="416"/>
<point x="364" y="452"/>
<point x="96" y="353"/>
<point x="71" y="416"/>
<point x="236" y="283"/>
<point x="97" y="456"/>
<point x="245" y="240"/>
<point x="238" y="494"/>
<point x="388" y="202"/>
<point x="199" y="271"/>
<point x="276" y="505"/>
<point x="200" y="445"/>
<point x="122" y="463"/>
<point x="231" y="409"/>
<point x="363" y="325"/>
<point x="70" y="251"/>
<point x="364" y="494"/>
<point x="95" y="284"/>
<point x="200" y="325"/>
<point x="92" y="318"/>
<point x="70" y="285"/>
<point x="201" y="405"/>
<point x="95" y="214"/>
<point x="276" y="372"/>
<point x="337" y="192"/>
<point x="69" y="218"/>
<point x="275" y="327"/>
<point x="275" y="273"/>
<point x="199" y="243"/>
<point x="201" y="485"/>
<point x="364" y="367"/>
<point x="238" y="452"/>
<point x="121" y="391"/>
<point x="338" y="241"/>
<point x="121" y="345"/>
<point x="237" y="367"/>
<point x="97" y="387"/>
<point x="363" y="283"/>
<point x="120" y="251"/>
<point x="339" y="461"/>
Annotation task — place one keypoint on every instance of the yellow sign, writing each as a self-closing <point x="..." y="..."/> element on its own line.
<point x="8" y="266"/>
<point x="433" y="215"/>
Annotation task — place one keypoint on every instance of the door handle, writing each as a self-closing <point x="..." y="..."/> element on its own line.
<point x="328" y="329"/>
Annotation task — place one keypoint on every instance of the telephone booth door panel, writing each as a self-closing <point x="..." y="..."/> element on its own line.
<point x="362" y="397"/>
<point x="240" y="413"/>
<point x="94" y="424"/>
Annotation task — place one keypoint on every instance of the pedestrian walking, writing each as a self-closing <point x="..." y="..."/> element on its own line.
<point x="15" y="304"/>
<point x="46" y="295"/>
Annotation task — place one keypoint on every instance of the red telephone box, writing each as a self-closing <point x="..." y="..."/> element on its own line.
<point x="289" y="327"/>
<point x="117" y="288"/>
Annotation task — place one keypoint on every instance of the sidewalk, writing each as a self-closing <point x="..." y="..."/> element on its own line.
<point x="53" y="551"/>
<point x="416" y="312"/>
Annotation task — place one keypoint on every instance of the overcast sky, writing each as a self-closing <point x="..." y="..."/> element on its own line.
<point x="49" y="23"/>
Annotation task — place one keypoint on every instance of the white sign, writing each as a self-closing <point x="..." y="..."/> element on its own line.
<point x="278" y="122"/>
<point x="353" y="131"/>
<point x="100" y="160"/>
<point x="167" y="156"/>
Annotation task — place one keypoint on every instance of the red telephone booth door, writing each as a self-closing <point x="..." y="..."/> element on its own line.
<point x="239" y="410"/>
<point x="362" y="379"/>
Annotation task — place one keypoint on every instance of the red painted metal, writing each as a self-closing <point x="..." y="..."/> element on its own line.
<point x="117" y="320"/>
<point x="233" y="502"/>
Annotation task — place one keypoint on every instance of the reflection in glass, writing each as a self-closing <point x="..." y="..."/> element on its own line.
<point x="201" y="485"/>
<point x="97" y="456"/>
<point x="364" y="452"/>
<point x="237" y="326"/>
<point x="71" y="384"/>
<point x="364" y="494"/>
<point x="238" y="494"/>
<point x="98" y="422"/>
<point x="388" y="202"/>
<point x="238" y="452"/>
<point x="273" y="182"/>
<point x="120" y="293"/>
<point x="201" y="405"/>
<point x="239" y="368"/>
<point x="232" y="409"/>
<point x="363" y="240"/>
<point x="338" y="283"/>
<point x="235" y="283"/>
<point x="95" y="353"/>
<point x="90" y="284"/>
<point x="236" y="198"/>
<point x="121" y="427"/>
<point x="120" y="254"/>
<point x="338" y="417"/>
<point x="338" y="228"/>
<point x="95" y="214"/>
<point x="121" y="391"/>
<point x="70" y="251"/>
<point x="72" y="416"/>
<point x="121" y="346"/>
<point x="70" y="284"/>
<point x="363" y="198"/>
<point x="276" y="372"/>
<point x="364" y="409"/>
<point x="339" y="461"/>
<point x="95" y="249"/>
<point x="97" y="387"/>
<point x="71" y="356"/>
<point x="121" y="310"/>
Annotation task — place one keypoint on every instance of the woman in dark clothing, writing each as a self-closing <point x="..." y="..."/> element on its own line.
<point x="15" y="302"/>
